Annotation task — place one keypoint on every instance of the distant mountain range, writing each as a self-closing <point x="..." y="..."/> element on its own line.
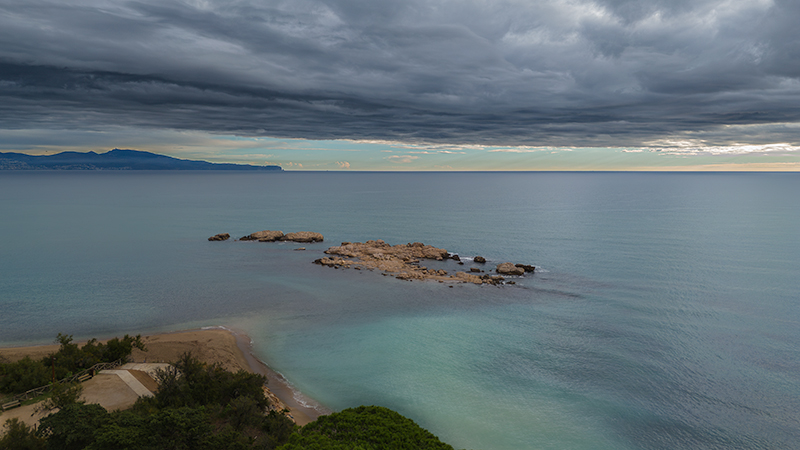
<point x="114" y="160"/>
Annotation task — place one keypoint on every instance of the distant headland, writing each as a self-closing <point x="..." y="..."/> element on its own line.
<point x="114" y="160"/>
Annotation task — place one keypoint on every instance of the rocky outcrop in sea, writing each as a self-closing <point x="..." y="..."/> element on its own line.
<point x="404" y="262"/>
<point x="272" y="236"/>
<point x="508" y="268"/>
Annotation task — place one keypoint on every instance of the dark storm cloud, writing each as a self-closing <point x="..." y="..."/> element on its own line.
<point x="602" y="73"/>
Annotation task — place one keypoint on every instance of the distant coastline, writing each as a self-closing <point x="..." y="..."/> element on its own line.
<point x="115" y="159"/>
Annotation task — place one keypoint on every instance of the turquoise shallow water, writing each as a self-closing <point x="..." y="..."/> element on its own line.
<point x="664" y="313"/>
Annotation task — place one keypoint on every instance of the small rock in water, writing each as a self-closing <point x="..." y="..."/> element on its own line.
<point x="299" y="248"/>
<point x="263" y="236"/>
<point x="220" y="237"/>
<point x="303" y="236"/>
<point x="509" y="269"/>
<point x="526" y="267"/>
<point x="479" y="259"/>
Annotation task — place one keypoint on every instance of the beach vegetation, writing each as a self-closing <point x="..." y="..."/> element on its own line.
<point x="367" y="428"/>
<point x="19" y="436"/>
<point x="61" y="395"/>
<point x="23" y="375"/>
<point x="73" y="427"/>
<point x="189" y="382"/>
<point x="197" y="406"/>
<point x="70" y="358"/>
<point x="203" y="406"/>
<point x="27" y="374"/>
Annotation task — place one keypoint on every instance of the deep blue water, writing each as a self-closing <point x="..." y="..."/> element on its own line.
<point x="664" y="313"/>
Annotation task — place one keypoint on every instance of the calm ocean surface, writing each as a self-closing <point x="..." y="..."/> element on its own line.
<point x="664" y="313"/>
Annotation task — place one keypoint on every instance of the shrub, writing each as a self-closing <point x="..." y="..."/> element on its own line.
<point x="365" y="427"/>
<point x="27" y="374"/>
<point x="19" y="436"/>
<point x="73" y="427"/>
<point x="70" y="358"/>
<point x="23" y="375"/>
<point x="61" y="395"/>
<point x="193" y="383"/>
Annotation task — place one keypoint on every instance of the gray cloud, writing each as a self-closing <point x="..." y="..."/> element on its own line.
<point x="550" y="73"/>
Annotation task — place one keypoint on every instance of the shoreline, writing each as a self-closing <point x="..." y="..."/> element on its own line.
<point x="217" y="344"/>
<point x="277" y="384"/>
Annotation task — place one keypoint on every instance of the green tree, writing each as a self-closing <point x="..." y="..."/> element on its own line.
<point x="19" y="436"/>
<point x="243" y="412"/>
<point x="117" y="437"/>
<point x="117" y="348"/>
<point x="275" y="431"/>
<point x="61" y="395"/>
<point x="193" y="383"/>
<point x="23" y="375"/>
<point x="67" y="359"/>
<point x="365" y="427"/>
<point x="73" y="427"/>
<point x="27" y="374"/>
<point x="70" y="358"/>
<point x="179" y="428"/>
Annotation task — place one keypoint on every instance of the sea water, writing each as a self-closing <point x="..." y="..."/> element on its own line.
<point x="664" y="312"/>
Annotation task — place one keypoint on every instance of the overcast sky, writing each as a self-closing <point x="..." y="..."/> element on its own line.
<point x="409" y="84"/>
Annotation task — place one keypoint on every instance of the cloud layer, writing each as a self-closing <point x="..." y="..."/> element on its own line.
<point x="617" y="73"/>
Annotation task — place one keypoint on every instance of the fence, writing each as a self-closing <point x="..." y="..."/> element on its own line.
<point x="80" y="376"/>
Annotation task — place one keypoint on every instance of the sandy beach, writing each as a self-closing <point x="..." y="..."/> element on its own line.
<point x="231" y="349"/>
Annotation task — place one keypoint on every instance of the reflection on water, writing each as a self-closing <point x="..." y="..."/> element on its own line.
<point x="662" y="314"/>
